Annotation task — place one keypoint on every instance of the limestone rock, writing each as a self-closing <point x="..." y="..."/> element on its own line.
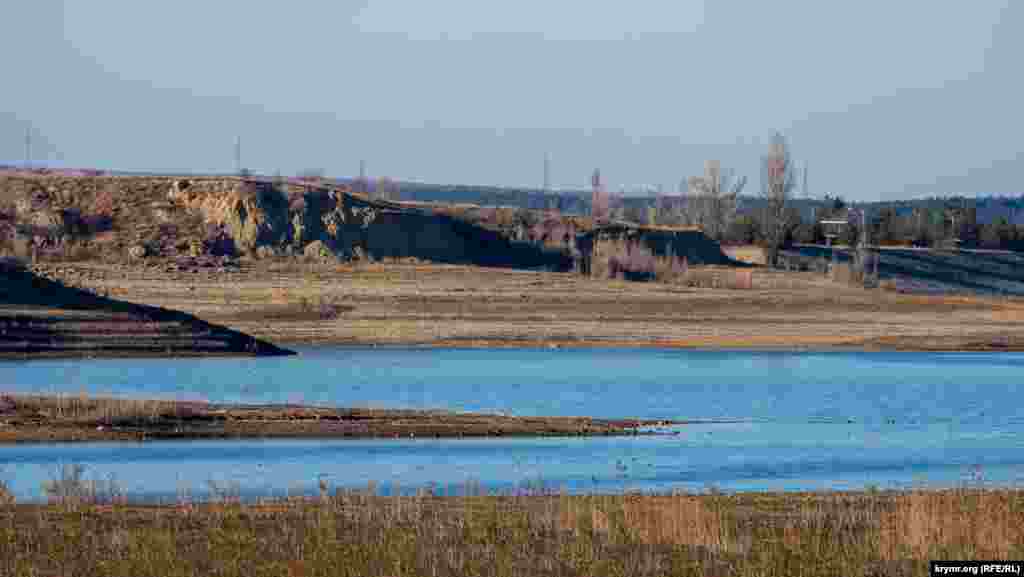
<point x="137" y="251"/>
<point x="252" y="213"/>
<point x="178" y="191"/>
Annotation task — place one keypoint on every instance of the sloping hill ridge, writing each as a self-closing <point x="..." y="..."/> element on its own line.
<point x="996" y="273"/>
<point x="96" y="216"/>
<point x="41" y="317"/>
<point x="115" y="216"/>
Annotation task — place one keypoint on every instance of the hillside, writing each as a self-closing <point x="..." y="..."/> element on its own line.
<point x="939" y="272"/>
<point x="97" y="217"/>
<point x="111" y="218"/>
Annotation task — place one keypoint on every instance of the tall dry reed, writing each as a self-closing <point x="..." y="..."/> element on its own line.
<point x="525" y="533"/>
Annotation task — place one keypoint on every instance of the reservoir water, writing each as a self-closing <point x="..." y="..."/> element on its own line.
<point x="765" y="420"/>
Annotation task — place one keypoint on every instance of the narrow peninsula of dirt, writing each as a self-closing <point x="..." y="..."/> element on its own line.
<point x="60" y="419"/>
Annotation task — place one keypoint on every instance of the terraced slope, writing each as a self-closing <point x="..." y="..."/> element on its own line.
<point x="42" y="317"/>
<point x="939" y="272"/>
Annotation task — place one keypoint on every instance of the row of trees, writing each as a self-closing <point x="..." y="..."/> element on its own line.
<point x="921" y="226"/>
<point x="712" y="200"/>
<point x="775" y="221"/>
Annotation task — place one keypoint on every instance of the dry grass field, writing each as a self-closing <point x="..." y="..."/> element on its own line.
<point x="292" y="302"/>
<point x="86" y="531"/>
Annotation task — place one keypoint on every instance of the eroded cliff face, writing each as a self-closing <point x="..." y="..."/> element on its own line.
<point x="144" y="217"/>
<point x="253" y="214"/>
<point x="166" y="217"/>
<point x="52" y="215"/>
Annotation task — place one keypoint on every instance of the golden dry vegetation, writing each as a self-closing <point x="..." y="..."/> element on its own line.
<point x="85" y="531"/>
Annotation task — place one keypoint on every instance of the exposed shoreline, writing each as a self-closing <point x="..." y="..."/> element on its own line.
<point x="814" y="345"/>
<point x="908" y="345"/>
<point x="32" y="418"/>
<point x="441" y="306"/>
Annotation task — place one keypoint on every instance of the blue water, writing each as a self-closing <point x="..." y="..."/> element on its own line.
<point x="800" y="421"/>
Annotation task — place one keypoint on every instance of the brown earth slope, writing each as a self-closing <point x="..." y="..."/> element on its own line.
<point x="42" y="317"/>
<point x="111" y="218"/>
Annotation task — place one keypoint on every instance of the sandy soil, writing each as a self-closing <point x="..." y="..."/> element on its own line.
<point x="287" y="302"/>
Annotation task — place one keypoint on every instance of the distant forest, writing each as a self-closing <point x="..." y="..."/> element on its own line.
<point x="993" y="222"/>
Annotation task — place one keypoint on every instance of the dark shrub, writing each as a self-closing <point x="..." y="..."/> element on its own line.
<point x="218" y="242"/>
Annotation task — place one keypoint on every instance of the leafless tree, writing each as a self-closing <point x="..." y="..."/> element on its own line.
<point x="778" y="180"/>
<point x="711" y="200"/>
<point x="599" y="199"/>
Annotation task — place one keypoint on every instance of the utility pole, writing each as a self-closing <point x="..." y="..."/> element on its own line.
<point x="238" y="155"/>
<point x="807" y="194"/>
<point x="547" y="173"/>
<point x="864" y="227"/>
<point x="868" y="258"/>
<point x="363" y="188"/>
<point x="28" y="148"/>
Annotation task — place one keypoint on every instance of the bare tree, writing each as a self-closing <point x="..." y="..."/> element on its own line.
<point x="778" y="180"/>
<point x="599" y="199"/>
<point x="711" y="199"/>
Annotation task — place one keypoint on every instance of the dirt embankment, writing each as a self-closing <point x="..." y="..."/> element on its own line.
<point x="43" y="317"/>
<point x="110" y="218"/>
<point x="51" y="419"/>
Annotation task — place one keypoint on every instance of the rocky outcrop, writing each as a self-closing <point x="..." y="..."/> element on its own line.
<point x="137" y="251"/>
<point x="259" y="213"/>
<point x="253" y="213"/>
<point x="175" y="217"/>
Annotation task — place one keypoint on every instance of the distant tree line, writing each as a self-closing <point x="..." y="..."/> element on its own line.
<point x="776" y="217"/>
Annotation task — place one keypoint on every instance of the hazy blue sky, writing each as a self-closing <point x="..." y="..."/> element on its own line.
<point x="882" y="98"/>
